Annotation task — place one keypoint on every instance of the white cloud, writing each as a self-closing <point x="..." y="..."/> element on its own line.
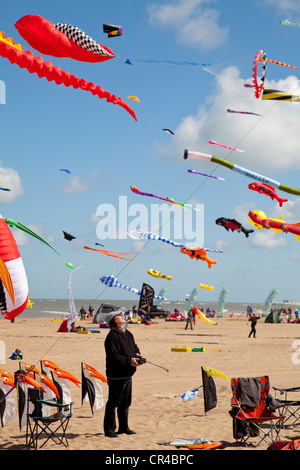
<point x="22" y="238"/>
<point x="10" y="179"/>
<point x="268" y="239"/>
<point x="284" y="5"/>
<point x="193" y="23"/>
<point x="270" y="142"/>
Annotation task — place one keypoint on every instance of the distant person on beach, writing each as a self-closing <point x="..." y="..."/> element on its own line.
<point x="189" y="320"/>
<point x="253" y="319"/>
<point x="82" y="312"/>
<point x="122" y="356"/>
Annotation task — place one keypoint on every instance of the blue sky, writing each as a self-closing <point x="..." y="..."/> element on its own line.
<point x="46" y="127"/>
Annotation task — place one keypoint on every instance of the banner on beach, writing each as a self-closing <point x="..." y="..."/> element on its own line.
<point x="146" y="299"/>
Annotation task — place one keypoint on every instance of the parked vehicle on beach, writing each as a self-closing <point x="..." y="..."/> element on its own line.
<point x="158" y="312"/>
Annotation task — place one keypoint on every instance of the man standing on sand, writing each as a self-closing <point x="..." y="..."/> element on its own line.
<point x="122" y="356"/>
<point x="253" y="319"/>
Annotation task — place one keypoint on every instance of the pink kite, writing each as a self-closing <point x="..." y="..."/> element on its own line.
<point x="205" y="174"/>
<point x="213" y="142"/>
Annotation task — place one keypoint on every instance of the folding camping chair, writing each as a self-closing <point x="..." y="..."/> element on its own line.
<point x="291" y="409"/>
<point x="46" y="427"/>
<point x="250" y="413"/>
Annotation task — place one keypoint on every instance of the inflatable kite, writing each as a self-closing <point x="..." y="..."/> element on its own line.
<point x="204" y="286"/>
<point x="288" y="23"/>
<point x="168" y="199"/>
<point x="153" y="236"/>
<point x="259" y="220"/>
<point x="269" y="94"/>
<point x="201" y="315"/>
<point x="268" y="190"/>
<point x="205" y="174"/>
<point x="61" y="40"/>
<point x="13" y="284"/>
<point x="213" y="142"/>
<point x="114" y="254"/>
<point x="241" y="170"/>
<point x="155" y="273"/>
<point x="232" y="224"/>
<point x="14" y="223"/>
<point x="112" y="30"/>
<point x="112" y="281"/>
<point x="259" y="83"/>
<point x="25" y="59"/>
<point x="197" y="253"/>
<point x="242" y="112"/>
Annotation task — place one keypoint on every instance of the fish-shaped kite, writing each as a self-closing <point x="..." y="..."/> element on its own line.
<point x="197" y="253"/>
<point x="268" y="190"/>
<point x="260" y="221"/>
<point x="232" y="224"/>
<point x="155" y="273"/>
<point x="168" y="199"/>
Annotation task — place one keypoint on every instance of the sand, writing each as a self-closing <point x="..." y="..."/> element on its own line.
<point x="158" y="414"/>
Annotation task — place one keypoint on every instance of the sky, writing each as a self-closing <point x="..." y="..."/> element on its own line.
<point x="189" y="61"/>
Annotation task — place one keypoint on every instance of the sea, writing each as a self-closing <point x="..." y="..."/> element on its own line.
<point x="59" y="307"/>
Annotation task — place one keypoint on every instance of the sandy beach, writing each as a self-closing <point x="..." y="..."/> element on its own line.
<point x="158" y="414"/>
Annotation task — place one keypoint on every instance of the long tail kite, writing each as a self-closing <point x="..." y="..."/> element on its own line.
<point x="115" y="254"/>
<point x="167" y="199"/>
<point x="270" y="94"/>
<point x="25" y="59"/>
<point x="242" y="171"/>
<point x="242" y="112"/>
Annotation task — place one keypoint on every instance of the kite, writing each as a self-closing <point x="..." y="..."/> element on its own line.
<point x="66" y="171"/>
<point x="279" y="63"/>
<point x="288" y="23"/>
<point x="68" y="236"/>
<point x="168" y="199"/>
<point x="70" y="265"/>
<point x="155" y="273"/>
<point x="259" y="220"/>
<point x="197" y="253"/>
<point x="112" y="281"/>
<point x="153" y="236"/>
<point x="134" y="98"/>
<point x="114" y="254"/>
<point x="221" y="300"/>
<point x="4" y="189"/>
<point x="13" y="286"/>
<point x="268" y="190"/>
<point x="91" y="390"/>
<point x="112" y="30"/>
<point x="258" y="87"/>
<point x="99" y="244"/>
<point x="205" y="174"/>
<point x="270" y="94"/>
<point x="214" y="373"/>
<point x="14" y="223"/>
<point x="213" y="142"/>
<point x="242" y="112"/>
<point x="204" y="286"/>
<point x="241" y="170"/>
<point x="61" y="40"/>
<point x="168" y="131"/>
<point x="201" y="315"/>
<point x="25" y="59"/>
<point x="232" y="224"/>
<point x="32" y="371"/>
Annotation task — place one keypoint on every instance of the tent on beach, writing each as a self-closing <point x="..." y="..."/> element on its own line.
<point x="104" y="308"/>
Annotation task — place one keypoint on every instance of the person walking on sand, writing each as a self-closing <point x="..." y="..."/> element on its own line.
<point x="253" y="319"/>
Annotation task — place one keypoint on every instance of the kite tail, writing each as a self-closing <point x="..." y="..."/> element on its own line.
<point x="26" y="59"/>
